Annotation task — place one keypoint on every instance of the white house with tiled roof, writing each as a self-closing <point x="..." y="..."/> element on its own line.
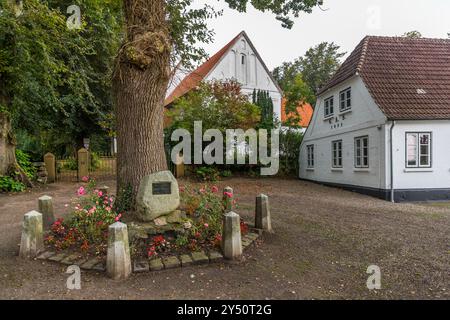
<point x="381" y="126"/>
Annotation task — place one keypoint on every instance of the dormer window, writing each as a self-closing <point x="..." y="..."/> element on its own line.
<point x="329" y="107"/>
<point x="345" y="100"/>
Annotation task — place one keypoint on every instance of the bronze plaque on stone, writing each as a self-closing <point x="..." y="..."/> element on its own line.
<point x="162" y="188"/>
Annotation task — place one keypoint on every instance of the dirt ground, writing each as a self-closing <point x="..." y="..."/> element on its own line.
<point x="324" y="241"/>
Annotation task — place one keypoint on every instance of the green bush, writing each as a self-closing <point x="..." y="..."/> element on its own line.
<point x="226" y="173"/>
<point x="95" y="161"/>
<point x="8" y="184"/>
<point x="23" y="159"/>
<point x="290" y="141"/>
<point x="207" y="173"/>
<point x="70" y="164"/>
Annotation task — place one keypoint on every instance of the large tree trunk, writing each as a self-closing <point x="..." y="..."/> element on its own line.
<point x="140" y="81"/>
<point x="8" y="161"/>
<point x="7" y="145"/>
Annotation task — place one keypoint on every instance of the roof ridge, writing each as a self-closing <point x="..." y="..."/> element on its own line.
<point x="408" y="38"/>
<point x="362" y="58"/>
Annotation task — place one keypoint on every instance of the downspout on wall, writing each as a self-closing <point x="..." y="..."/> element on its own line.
<point x="392" y="162"/>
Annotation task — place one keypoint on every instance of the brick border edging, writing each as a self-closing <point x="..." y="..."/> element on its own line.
<point x="145" y="265"/>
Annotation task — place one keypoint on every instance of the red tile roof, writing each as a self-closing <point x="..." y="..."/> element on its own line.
<point x="409" y="79"/>
<point x="305" y="112"/>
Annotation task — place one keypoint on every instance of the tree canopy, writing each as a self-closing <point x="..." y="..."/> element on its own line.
<point x="56" y="80"/>
<point x="302" y="78"/>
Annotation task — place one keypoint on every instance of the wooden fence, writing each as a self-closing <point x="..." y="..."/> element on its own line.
<point x="100" y="166"/>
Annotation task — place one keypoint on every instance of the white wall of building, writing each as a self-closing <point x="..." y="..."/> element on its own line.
<point x="436" y="177"/>
<point x="242" y="64"/>
<point x="364" y="119"/>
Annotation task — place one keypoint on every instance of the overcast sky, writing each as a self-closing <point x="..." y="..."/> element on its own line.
<point x="344" y="22"/>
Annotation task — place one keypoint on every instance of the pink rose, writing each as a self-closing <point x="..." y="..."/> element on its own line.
<point x="215" y="189"/>
<point x="81" y="191"/>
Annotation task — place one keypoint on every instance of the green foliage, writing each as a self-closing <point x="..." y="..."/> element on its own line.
<point x="56" y="81"/>
<point x="70" y="163"/>
<point x="95" y="161"/>
<point x="226" y="173"/>
<point x="219" y="105"/>
<point x="302" y="78"/>
<point x="24" y="162"/>
<point x="290" y="141"/>
<point x="413" y="34"/>
<point x="207" y="173"/>
<point x="124" y="198"/>
<point x="263" y="100"/>
<point x="8" y="184"/>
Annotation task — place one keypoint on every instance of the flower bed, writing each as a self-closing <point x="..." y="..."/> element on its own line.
<point x="203" y="209"/>
<point x="85" y="231"/>
<point x="86" y="228"/>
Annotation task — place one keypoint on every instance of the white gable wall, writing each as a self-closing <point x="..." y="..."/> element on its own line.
<point x="242" y="64"/>
<point x="364" y="119"/>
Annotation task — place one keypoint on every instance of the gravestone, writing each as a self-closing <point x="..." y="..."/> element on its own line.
<point x="158" y="196"/>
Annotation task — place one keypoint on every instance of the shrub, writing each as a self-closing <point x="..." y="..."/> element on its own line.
<point x="8" y="184"/>
<point x="23" y="159"/>
<point x="207" y="173"/>
<point x="226" y="173"/>
<point x="290" y="141"/>
<point x="70" y="164"/>
<point x="95" y="161"/>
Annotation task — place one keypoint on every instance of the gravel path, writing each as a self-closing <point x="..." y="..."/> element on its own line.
<point x="324" y="240"/>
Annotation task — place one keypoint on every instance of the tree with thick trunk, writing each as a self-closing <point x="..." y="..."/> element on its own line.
<point x="7" y="145"/>
<point x="159" y="35"/>
<point x="140" y="83"/>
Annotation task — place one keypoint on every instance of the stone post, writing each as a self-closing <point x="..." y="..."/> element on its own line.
<point x="179" y="167"/>
<point x="118" y="261"/>
<point x="45" y="204"/>
<point x="50" y="166"/>
<point x="231" y="236"/>
<point x="227" y="199"/>
<point x="83" y="163"/>
<point x="32" y="240"/>
<point x="262" y="213"/>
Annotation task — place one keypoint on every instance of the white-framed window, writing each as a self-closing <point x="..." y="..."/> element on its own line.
<point x="418" y="149"/>
<point x="329" y="107"/>
<point x="362" y="152"/>
<point x="310" y="155"/>
<point x="345" y="100"/>
<point x="336" y="154"/>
